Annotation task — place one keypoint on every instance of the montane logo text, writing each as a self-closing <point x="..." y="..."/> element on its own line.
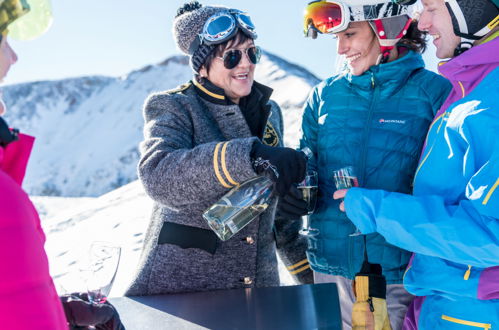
<point x="391" y="121"/>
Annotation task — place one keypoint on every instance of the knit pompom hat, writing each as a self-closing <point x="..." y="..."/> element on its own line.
<point x="187" y="26"/>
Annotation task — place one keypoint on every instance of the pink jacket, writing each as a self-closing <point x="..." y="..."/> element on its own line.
<point x="28" y="299"/>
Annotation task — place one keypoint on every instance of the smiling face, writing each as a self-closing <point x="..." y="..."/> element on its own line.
<point x="236" y="82"/>
<point x="436" y="19"/>
<point x="360" y="46"/>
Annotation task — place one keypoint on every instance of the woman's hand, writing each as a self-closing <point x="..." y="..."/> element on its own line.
<point x="290" y="164"/>
<point x="80" y="313"/>
<point x="340" y="194"/>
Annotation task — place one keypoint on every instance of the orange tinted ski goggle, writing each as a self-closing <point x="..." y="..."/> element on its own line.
<point x="325" y="17"/>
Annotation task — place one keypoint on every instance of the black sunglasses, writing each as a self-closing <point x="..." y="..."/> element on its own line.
<point x="232" y="57"/>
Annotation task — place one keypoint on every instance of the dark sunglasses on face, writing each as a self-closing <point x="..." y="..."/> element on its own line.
<point x="231" y="58"/>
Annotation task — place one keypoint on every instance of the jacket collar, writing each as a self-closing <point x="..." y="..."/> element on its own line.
<point x="14" y="157"/>
<point x="472" y="65"/>
<point x="214" y="94"/>
<point x="208" y="91"/>
<point x="386" y="73"/>
<point x="467" y="70"/>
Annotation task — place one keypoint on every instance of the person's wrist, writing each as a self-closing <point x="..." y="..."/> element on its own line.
<point x="254" y="147"/>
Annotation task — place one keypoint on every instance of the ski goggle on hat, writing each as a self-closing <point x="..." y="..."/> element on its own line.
<point x="222" y="26"/>
<point x="331" y="17"/>
<point x="24" y="20"/>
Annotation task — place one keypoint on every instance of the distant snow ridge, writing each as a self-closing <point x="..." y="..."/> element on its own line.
<point x="88" y="128"/>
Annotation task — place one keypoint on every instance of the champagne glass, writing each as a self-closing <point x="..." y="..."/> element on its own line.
<point x="104" y="258"/>
<point x="309" y="187"/>
<point x="345" y="178"/>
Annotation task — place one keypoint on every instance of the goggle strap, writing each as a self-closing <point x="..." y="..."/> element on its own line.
<point x="388" y="44"/>
<point x="312" y="31"/>
<point x="380" y="32"/>
<point x="195" y="44"/>
<point x="200" y="55"/>
<point x="405" y="29"/>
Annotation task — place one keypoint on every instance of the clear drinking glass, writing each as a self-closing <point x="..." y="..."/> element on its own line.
<point x="309" y="187"/>
<point x="104" y="258"/>
<point x="345" y="178"/>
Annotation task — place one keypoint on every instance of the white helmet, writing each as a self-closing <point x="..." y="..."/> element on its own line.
<point x="389" y="20"/>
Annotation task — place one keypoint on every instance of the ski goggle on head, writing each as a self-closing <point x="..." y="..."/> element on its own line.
<point x="231" y="58"/>
<point x="325" y="17"/>
<point x="224" y="25"/>
<point x="331" y="17"/>
<point x="24" y="20"/>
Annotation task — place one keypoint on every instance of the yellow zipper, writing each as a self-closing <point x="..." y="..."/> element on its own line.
<point x="403" y="277"/>
<point x="467" y="273"/>
<point x="487" y="197"/>
<point x="485" y="326"/>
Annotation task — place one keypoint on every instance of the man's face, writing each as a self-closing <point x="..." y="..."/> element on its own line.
<point x="436" y="19"/>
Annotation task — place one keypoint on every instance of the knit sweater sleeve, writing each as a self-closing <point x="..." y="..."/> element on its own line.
<point x="174" y="171"/>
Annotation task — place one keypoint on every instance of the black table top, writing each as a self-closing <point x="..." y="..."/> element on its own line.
<point x="311" y="306"/>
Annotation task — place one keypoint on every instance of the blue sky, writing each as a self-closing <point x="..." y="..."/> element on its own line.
<point x="114" y="37"/>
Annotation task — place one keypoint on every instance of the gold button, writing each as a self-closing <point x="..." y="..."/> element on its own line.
<point x="250" y="240"/>
<point x="248" y="281"/>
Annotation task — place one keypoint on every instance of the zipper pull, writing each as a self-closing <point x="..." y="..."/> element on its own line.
<point x="372" y="80"/>
<point x="370" y="302"/>
<point x="467" y="273"/>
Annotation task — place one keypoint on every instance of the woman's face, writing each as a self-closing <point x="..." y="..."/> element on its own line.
<point x="360" y="46"/>
<point x="236" y="82"/>
<point x="7" y="58"/>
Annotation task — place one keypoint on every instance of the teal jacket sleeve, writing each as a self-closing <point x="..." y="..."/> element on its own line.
<point x="466" y="233"/>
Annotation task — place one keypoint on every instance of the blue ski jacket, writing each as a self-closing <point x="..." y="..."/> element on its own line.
<point x="452" y="221"/>
<point x="375" y="122"/>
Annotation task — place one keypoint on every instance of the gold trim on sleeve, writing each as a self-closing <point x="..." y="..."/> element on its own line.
<point x="298" y="264"/>
<point x="224" y="167"/>
<point x="299" y="270"/>
<point x="217" y="170"/>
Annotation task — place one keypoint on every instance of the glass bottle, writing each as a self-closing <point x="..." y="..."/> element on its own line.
<point x="243" y="203"/>
<point x="239" y="206"/>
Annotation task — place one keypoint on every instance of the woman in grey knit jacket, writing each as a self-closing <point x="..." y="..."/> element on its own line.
<point x="201" y="140"/>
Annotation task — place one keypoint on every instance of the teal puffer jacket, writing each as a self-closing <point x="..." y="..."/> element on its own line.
<point x="376" y="122"/>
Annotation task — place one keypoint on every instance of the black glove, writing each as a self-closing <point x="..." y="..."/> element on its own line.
<point x="80" y="313"/>
<point x="289" y="164"/>
<point x="292" y="205"/>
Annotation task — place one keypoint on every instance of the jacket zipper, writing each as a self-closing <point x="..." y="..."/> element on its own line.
<point x="362" y="165"/>
<point x="485" y="326"/>
<point x="371" y="306"/>
<point x="467" y="273"/>
<point x="374" y="100"/>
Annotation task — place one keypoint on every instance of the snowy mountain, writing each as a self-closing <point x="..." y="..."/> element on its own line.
<point x="88" y="129"/>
